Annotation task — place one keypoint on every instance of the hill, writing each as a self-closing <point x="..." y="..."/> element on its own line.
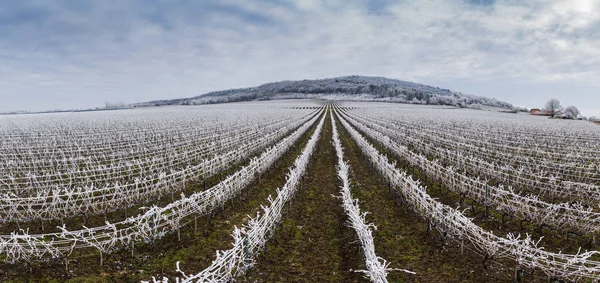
<point x="360" y="88"/>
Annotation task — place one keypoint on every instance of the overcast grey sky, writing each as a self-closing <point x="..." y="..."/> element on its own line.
<point x="78" y="54"/>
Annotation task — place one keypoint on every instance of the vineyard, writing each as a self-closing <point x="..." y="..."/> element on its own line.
<point x="298" y="190"/>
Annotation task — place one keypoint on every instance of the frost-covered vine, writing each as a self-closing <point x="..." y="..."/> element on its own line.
<point x="377" y="267"/>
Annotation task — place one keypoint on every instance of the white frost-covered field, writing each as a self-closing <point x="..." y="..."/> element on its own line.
<point x="71" y="166"/>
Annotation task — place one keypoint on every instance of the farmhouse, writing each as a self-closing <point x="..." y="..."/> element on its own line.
<point x="540" y="112"/>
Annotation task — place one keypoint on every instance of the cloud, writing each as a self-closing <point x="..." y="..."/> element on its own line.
<point x="80" y="53"/>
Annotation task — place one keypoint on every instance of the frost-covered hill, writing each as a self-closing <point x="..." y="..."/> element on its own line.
<point x="347" y="88"/>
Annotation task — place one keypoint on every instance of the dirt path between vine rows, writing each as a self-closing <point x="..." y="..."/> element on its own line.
<point x="196" y="249"/>
<point x="313" y="242"/>
<point x="402" y="238"/>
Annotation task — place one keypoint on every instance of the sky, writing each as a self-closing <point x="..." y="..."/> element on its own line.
<point x="79" y="54"/>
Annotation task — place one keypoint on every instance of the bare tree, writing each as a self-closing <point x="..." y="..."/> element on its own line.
<point x="572" y="112"/>
<point x="114" y="105"/>
<point x="553" y="105"/>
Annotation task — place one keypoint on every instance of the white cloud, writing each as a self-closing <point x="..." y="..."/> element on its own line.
<point x="80" y="58"/>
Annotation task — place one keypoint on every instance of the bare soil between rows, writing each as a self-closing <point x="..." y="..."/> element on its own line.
<point x="313" y="242"/>
<point x="196" y="249"/>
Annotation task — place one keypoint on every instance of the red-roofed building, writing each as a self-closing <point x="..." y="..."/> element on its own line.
<point x="540" y="112"/>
